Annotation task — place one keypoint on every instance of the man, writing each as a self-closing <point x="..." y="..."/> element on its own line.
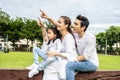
<point x="87" y="59"/>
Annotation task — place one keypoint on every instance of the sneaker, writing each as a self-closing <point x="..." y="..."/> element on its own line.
<point x="33" y="72"/>
<point x="32" y="66"/>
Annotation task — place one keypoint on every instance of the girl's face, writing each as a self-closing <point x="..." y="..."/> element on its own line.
<point x="61" y="25"/>
<point x="51" y="35"/>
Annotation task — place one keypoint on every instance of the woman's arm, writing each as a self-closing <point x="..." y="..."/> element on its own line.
<point x="50" y="54"/>
<point x="44" y="15"/>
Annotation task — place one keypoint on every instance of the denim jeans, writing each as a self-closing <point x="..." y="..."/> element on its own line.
<point x="82" y="66"/>
<point x="44" y="63"/>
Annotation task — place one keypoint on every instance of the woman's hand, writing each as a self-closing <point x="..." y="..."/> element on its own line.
<point x="44" y="15"/>
<point x="51" y="54"/>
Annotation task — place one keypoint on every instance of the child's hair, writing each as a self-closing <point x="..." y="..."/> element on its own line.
<point x="55" y="31"/>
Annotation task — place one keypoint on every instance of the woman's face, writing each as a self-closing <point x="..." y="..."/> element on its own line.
<point x="61" y="25"/>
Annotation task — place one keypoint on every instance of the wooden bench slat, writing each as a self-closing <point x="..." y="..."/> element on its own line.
<point x="21" y="74"/>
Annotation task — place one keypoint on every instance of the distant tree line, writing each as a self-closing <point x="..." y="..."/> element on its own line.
<point x="109" y="41"/>
<point x="21" y="28"/>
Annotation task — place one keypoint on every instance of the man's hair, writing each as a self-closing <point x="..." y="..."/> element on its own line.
<point x="84" y="21"/>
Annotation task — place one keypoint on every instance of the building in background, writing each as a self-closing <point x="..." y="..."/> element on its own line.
<point x="19" y="46"/>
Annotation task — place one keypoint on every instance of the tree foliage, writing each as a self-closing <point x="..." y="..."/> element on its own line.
<point x="112" y="36"/>
<point x="4" y="22"/>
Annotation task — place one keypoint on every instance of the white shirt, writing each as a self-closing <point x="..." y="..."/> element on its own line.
<point x="68" y="47"/>
<point x="68" y="50"/>
<point x="53" y="46"/>
<point x="87" y="47"/>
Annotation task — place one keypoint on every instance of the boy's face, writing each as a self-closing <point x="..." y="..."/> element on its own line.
<point x="77" y="26"/>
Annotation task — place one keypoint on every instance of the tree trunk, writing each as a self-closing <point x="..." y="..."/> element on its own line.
<point x="13" y="46"/>
<point x="27" y="46"/>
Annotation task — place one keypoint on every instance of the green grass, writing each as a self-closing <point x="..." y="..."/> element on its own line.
<point x="109" y="62"/>
<point x="22" y="59"/>
<point x="15" y="59"/>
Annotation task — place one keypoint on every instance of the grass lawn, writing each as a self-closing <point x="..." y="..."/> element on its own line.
<point x="15" y="59"/>
<point x="22" y="59"/>
<point x="109" y="62"/>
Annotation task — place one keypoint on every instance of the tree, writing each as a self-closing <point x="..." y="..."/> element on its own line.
<point x="31" y="31"/>
<point x="112" y="35"/>
<point x="15" y="28"/>
<point x="117" y="36"/>
<point x="101" y="40"/>
<point x="4" y="21"/>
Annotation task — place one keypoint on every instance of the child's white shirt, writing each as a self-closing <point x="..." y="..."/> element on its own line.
<point x="53" y="46"/>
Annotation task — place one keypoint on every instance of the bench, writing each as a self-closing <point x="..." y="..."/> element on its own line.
<point x="98" y="75"/>
<point x="21" y="74"/>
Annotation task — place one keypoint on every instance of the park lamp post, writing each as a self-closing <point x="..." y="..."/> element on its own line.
<point x="6" y="50"/>
<point x="106" y="47"/>
<point x="106" y="44"/>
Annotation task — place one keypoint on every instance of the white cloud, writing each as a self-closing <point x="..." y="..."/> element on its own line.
<point x="96" y="28"/>
<point x="101" y="13"/>
<point x="117" y="12"/>
<point x="110" y="17"/>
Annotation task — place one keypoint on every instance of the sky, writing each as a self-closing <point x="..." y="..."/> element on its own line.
<point x="101" y="13"/>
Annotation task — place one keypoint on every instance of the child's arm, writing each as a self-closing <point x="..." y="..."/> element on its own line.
<point x="44" y="15"/>
<point x="44" y="33"/>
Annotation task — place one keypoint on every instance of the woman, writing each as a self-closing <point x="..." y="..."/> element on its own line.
<point x="56" y="70"/>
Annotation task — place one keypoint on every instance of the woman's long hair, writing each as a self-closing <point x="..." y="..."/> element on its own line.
<point x="67" y="21"/>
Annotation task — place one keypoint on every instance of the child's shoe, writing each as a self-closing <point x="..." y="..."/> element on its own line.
<point x="33" y="72"/>
<point x="32" y="66"/>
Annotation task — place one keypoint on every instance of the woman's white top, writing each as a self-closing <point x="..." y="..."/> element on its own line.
<point x="87" y="47"/>
<point x="68" y="50"/>
<point x="68" y="47"/>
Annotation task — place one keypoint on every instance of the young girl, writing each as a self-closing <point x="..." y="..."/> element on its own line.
<point x="51" y="42"/>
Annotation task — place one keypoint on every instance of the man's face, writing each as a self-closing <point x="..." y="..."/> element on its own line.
<point x="76" y="26"/>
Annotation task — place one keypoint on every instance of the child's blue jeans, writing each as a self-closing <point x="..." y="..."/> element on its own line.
<point x="45" y="62"/>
